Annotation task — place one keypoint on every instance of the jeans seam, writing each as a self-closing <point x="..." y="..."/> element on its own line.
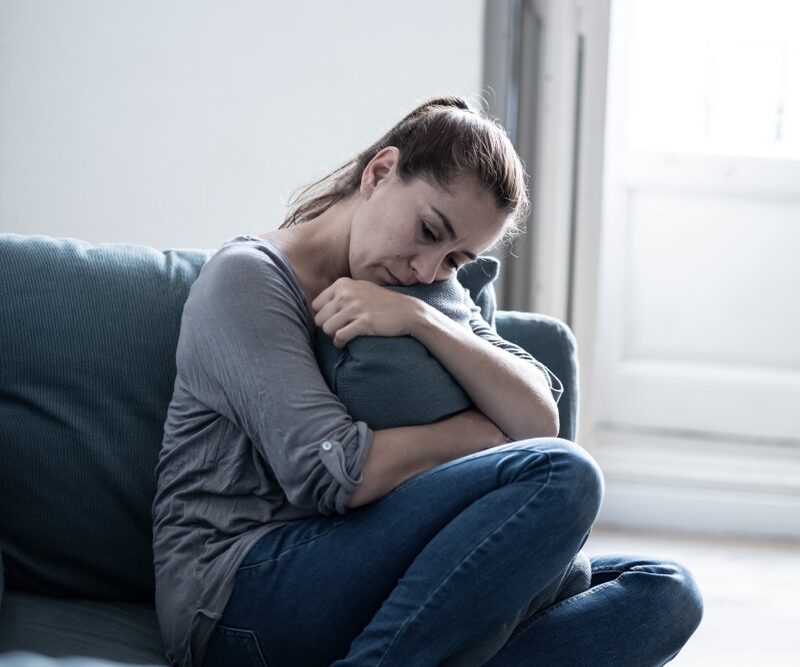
<point x="466" y="557"/>
<point x="497" y="449"/>
<point x="249" y="566"/>
<point x="251" y="641"/>
<point x="410" y="483"/>
<point x="558" y="605"/>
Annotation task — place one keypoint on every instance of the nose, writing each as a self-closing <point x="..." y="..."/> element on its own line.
<point x="426" y="268"/>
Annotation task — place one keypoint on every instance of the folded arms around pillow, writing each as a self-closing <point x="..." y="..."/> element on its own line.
<point x="394" y="381"/>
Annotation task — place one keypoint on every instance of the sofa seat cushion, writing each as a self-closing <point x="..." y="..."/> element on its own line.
<point x="30" y="659"/>
<point x="124" y="632"/>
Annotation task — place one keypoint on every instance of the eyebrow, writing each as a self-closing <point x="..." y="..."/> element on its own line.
<point x="451" y="232"/>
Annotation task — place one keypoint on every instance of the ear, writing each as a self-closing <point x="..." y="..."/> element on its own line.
<point x="382" y="167"/>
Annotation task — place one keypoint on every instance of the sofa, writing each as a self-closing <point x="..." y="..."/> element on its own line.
<point x="88" y="334"/>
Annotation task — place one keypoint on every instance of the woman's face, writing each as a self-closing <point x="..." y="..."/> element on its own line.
<point x="419" y="233"/>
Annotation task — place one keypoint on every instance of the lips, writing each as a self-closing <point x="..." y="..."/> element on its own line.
<point x="395" y="279"/>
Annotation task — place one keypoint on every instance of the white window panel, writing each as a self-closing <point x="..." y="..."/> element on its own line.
<point x="715" y="77"/>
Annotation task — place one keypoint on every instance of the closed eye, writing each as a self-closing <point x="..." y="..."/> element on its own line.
<point x="427" y="233"/>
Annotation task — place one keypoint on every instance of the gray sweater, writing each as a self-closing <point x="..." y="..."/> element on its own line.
<point x="242" y="452"/>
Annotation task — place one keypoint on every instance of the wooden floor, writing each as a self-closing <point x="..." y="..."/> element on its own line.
<point x="751" y="594"/>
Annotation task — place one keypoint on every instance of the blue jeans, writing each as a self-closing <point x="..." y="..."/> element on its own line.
<point x="442" y="561"/>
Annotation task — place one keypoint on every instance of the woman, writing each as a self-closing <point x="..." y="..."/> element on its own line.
<point x="285" y="533"/>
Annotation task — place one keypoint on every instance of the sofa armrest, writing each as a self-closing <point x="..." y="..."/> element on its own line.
<point x="552" y="342"/>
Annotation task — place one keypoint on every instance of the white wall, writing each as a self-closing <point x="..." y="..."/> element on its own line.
<point x="182" y="123"/>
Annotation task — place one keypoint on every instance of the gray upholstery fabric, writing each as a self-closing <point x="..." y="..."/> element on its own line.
<point x="31" y="659"/>
<point x="478" y="278"/>
<point x="394" y="381"/>
<point x="88" y="334"/>
<point x="119" y="631"/>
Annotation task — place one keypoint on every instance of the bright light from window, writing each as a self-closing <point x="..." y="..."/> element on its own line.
<point x="715" y="76"/>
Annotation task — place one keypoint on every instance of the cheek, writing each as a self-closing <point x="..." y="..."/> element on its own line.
<point x="363" y="238"/>
<point x="359" y="257"/>
<point x="383" y="235"/>
<point x="392" y="242"/>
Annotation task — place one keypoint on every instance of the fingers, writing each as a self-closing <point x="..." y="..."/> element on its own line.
<point x="335" y="314"/>
<point x="325" y="313"/>
<point x="350" y="308"/>
<point x="332" y="313"/>
<point x="342" y="328"/>
<point x="324" y="297"/>
<point x="340" y="286"/>
<point x="334" y="324"/>
<point x="346" y="334"/>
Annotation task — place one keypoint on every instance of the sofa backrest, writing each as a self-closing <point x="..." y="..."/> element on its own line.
<point x="88" y="335"/>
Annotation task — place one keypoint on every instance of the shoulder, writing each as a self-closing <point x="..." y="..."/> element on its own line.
<point x="247" y="276"/>
<point x="249" y="262"/>
<point x="249" y="253"/>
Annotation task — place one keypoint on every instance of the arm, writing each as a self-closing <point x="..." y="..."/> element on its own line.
<point x="502" y="385"/>
<point x="398" y="454"/>
<point x="245" y="352"/>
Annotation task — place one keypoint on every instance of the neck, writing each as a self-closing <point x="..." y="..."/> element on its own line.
<point x="319" y="249"/>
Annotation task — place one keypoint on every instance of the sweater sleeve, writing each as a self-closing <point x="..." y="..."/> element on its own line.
<point x="246" y="351"/>
<point x="481" y="328"/>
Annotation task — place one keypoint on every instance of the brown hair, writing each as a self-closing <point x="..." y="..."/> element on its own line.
<point x="441" y="140"/>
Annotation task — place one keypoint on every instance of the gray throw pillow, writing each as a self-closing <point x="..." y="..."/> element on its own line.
<point x="478" y="278"/>
<point x="394" y="381"/>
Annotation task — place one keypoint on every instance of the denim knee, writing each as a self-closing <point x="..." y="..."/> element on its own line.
<point x="668" y="600"/>
<point x="576" y="477"/>
<point x="583" y="494"/>
<point x="681" y="595"/>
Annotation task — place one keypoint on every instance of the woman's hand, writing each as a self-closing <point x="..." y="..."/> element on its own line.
<point x="349" y="308"/>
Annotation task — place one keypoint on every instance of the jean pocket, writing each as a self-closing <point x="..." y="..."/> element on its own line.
<point x="234" y="647"/>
